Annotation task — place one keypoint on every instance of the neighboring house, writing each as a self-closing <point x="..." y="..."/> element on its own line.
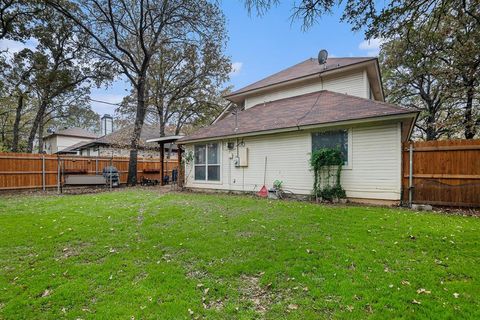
<point x="58" y="141"/>
<point x="117" y="144"/>
<point x="281" y="119"/>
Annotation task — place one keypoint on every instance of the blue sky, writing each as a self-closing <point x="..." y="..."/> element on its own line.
<point x="260" y="46"/>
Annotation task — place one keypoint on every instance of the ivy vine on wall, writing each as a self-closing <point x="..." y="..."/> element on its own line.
<point x="327" y="165"/>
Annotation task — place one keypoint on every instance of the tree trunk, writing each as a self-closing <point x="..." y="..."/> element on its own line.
<point x="137" y="129"/>
<point x="468" y="120"/>
<point x="431" y="131"/>
<point x="16" y="124"/>
<point x="35" y="125"/>
<point x="40" y="137"/>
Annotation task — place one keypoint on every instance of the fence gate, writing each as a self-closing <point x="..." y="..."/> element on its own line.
<point x="444" y="172"/>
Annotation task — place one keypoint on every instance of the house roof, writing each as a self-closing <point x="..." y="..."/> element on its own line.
<point x="74" y="132"/>
<point x="122" y="138"/>
<point x="303" y="69"/>
<point x="315" y="108"/>
<point x="73" y="148"/>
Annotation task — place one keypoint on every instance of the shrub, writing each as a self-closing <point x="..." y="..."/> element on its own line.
<point x="327" y="165"/>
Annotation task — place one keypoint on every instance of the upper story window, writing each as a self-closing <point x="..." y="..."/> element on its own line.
<point x="332" y="139"/>
<point x="207" y="162"/>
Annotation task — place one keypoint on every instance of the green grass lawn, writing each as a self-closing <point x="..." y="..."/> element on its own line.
<point x="138" y="254"/>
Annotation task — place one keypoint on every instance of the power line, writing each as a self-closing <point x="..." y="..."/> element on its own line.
<point x="105" y="102"/>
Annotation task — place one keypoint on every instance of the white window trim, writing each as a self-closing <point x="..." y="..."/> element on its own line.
<point x="206" y="181"/>
<point x="349" y="165"/>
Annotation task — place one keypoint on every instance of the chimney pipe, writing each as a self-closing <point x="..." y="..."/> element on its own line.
<point x="107" y="124"/>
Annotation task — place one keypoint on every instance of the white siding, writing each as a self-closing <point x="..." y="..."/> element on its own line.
<point x="57" y="143"/>
<point x="373" y="174"/>
<point x="354" y="84"/>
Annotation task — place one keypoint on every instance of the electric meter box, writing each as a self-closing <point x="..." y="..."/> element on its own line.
<point x="243" y="155"/>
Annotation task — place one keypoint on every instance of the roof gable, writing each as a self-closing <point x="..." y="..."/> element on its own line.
<point x="306" y="68"/>
<point x="74" y="132"/>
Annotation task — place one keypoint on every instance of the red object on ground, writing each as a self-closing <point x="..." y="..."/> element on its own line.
<point x="263" y="192"/>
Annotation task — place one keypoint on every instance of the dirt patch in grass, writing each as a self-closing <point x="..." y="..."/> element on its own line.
<point x="140" y="277"/>
<point x="260" y="298"/>
<point x="196" y="274"/>
<point x="140" y="216"/>
<point x="72" y="250"/>
<point x="245" y="234"/>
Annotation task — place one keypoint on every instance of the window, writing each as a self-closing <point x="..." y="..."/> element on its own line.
<point x="207" y="162"/>
<point x="331" y="139"/>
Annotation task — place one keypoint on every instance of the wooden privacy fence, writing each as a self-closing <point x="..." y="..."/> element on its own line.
<point x="444" y="172"/>
<point x="30" y="171"/>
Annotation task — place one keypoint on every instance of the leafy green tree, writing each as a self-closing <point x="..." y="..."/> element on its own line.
<point x="64" y="66"/>
<point x="16" y="76"/>
<point x="451" y="25"/>
<point x="460" y="32"/>
<point x="18" y="18"/>
<point x="436" y="70"/>
<point x="130" y="33"/>
<point x="378" y="19"/>
<point x="184" y="82"/>
<point x="48" y="85"/>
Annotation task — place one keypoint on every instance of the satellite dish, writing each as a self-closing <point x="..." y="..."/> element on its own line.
<point x="322" y="56"/>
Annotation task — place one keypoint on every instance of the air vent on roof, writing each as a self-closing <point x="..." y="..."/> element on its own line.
<point x="322" y="56"/>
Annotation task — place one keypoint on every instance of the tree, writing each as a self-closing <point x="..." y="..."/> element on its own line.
<point x="183" y="86"/>
<point x="456" y="24"/>
<point x="17" y="18"/>
<point x="184" y="82"/>
<point x="77" y="113"/>
<point x="130" y="33"/>
<point x="16" y="77"/>
<point x="63" y="67"/>
<point x="379" y="21"/>
<point x="411" y="78"/>
<point x="43" y="86"/>
<point x="436" y="70"/>
<point x="460" y="32"/>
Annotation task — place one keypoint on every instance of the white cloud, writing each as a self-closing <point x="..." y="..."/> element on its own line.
<point x="372" y="46"/>
<point x="16" y="46"/>
<point x="236" y="67"/>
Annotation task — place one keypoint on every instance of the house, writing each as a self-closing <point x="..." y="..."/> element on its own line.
<point x="117" y="144"/>
<point x="278" y="121"/>
<point x="58" y="141"/>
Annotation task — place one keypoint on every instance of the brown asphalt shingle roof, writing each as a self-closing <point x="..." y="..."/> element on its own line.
<point x="74" y="132"/>
<point x="73" y="148"/>
<point x="302" y="69"/>
<point x="319" y="107"/>
<point x="122" y="138"/>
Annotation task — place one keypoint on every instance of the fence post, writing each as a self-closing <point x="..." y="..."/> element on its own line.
<point x="43" y="172"/>
<point x="410" y="176"/>
<point x="58" y="174"/>
<point x="111" y="164"/>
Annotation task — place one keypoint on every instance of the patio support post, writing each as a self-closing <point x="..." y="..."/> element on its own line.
<point x="58" y="174"/>
<point x="162" y="156"/>
<point x="43" y="173"/>
<point x="180" y="167"/>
